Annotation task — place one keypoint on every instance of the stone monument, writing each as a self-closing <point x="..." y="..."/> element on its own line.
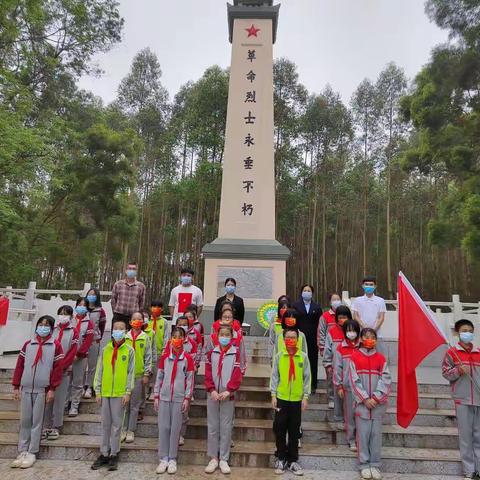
<point x="246" y="248"/>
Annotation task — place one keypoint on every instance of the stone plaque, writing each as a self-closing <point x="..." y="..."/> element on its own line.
<point x="252" y="282"/>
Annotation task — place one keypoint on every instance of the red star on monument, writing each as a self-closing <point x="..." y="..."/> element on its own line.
<point x="252" y="31"/>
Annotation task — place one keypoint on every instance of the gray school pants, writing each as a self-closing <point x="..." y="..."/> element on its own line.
<point x="169" y="426"/>
<point x="220" y="425"/>
<point x="112" y="418"/>
<point x="329" y="385"/>
<point x="131" y="412"/>
<point x="349" y="416"/>
<point x="32" y="407"/>
<point x="369" y="442"/>
<point x="54" y="410"/>
<point x="78" y="371"/>
<point x="468" y="421"/>
<point x="185" y="420"/>
<point x="337" y="407"/>
<point x="92" y="358"/>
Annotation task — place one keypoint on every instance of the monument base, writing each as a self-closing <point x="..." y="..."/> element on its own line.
<point x="258" y="266"/>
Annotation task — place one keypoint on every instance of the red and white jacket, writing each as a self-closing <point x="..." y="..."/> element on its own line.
<point x="327" y="321"/>
<point x="335" y="337"/>
<point x="341" y="363"/>
<point x="189" y="346"/>
<point x="86" y="330"/>
<point x="464" y="391"/>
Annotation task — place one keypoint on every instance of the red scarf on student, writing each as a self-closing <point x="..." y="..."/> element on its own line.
<point x="291" y="370"/>
<point x="38" y="355"/>
<point x="174" y="369"/>
<point x="61" y="329"/>
<point x="223" y="352"/>
<point x="116" y="346"/>
<point x="154" y="325"/>
<point x="134" y="337"/>
<point x="79" y="324"/>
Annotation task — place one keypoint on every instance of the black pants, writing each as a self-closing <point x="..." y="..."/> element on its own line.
<point x="313" y="359"/>
<point x="287" y="420"/>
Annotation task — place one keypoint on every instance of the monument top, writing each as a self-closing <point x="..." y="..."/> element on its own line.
<point x="254" y="3"/>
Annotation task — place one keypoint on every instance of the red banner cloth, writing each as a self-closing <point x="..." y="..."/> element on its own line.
<point x="4" y="305"/>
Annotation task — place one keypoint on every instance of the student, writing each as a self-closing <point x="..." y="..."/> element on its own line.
<point x="99" y="318"/>
<point x="193" y="339"/>
<point x="113" y="383"/>
<point x="138" y="340"/>
<point x="369" y="309"/>
<point x="290" y="385"/>
<point x="195" y="328"/>
<point x="236" y="325"/>
<point x="276" y="329"/>
<point x="461" y="368"/>
<point x="341" y="360"/>
<point x="370" y="381"/>
<point x="67" y="336"/>
<point x="37" y="374"/>
<point x="85" y="330"/>
<point x="290" y="321"/>
<point x="222" y="379"/>
<point x="334" y="338"/>
<point x="173" y="391"/>
<point x="184" y="295"/>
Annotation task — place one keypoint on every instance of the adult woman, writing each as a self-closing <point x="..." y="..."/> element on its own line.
<point x="237" y="302"/>
<point x="308" y="318"/>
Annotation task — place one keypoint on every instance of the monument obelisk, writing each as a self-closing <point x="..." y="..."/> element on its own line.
<point x="246" y="248"/>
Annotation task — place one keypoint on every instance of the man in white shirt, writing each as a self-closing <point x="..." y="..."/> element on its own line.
<point x="184" y="295"/>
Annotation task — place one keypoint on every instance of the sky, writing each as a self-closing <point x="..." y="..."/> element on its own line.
<point x="336" y="42"/>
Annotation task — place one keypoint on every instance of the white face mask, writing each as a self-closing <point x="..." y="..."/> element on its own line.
<point x="62" y="319"/>
<point x="335" y="304"/>
<point x="352" y="335"/>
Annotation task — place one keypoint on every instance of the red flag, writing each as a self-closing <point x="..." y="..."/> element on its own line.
<point x="418" y="336"/>
<point x="4" y="304"/>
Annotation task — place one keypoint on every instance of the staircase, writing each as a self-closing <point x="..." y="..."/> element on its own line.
<point x="429" y="446"/>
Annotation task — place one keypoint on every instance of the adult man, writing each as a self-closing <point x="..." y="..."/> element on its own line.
<point x="184" y="295"/>
<point x="128" y="295"/>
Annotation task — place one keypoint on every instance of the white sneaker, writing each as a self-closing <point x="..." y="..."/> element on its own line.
<point x="181" y="441"/>
<point x="331" y="405"/>
<point x="366" y="473"/>
<point x="53" y="434"/>
<point x="162" y="467"/>
<point x="212" y="466"/>
<point x="18" y="461"/>
<point x="280" y="466"/>
<point x="299" y="443"/>
<point x="353" y="447"/>
<point x="225" y="467"/>
<point x="129" y="437"/>
<point x="172" y="467"/>
<point x="73" y="412"/>
<point x="296" y="469"/>
<point x="123" y="436"/>
<point x="88" y="393"/>
<point x="376" y="475"/>
<point x="28" y="460"/>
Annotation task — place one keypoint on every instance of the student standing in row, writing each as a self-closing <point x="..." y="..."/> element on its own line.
<point x="37" y="374"/>
<point x="276" y="325"/>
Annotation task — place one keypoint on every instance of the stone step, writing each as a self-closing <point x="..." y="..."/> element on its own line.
<point x="260" y="430"/>
<point x="248" y="454"/>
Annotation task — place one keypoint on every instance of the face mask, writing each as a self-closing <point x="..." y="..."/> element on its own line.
<point x="177" y="342"/>
<point x="81" y="310"/>
<point x="341" y="321"/>
<point x="283" y="311"/>
<point x="131" y="273"/>
<point x="290" y="321"/>
<point x="224" y="341"/>
<point x="186" y="280"/>
<point x="43" y="330"/>
<point x="156" y="311"/>
<point x="91" y="298"/>
<point x="62" y="319"/>
<point x="368" y="289"/>
<point x="466" y="337"/>
<point x="118" y="335"/>
<point x="335" y="304"/>
<point x="351" y="335"/>
<point x="290" y="342"/>
<point x="307" y="296"/>
<point x="369" y="343"/>
<point x="136" y="323"/>
<point x="230" y="289"/>
<point x="191" y="322"/>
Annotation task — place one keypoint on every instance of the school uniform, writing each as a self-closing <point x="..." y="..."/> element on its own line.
<point x="212" y="342"/>
<point x="99" y="319"/>
<point x="85" y="331"/>
<point x="290" y="383"/>
<point x="280" y="343"/>
<point x="334" y="338"/>
<point x="38" y="370"/>
<point x="369" y="377"/>
<point x="161" y="331"/>
<point x="222" y="373"/>
<point x="273" y="332"/>
<point x="341" y="367"/>
<point x="199" y="328"/>
<point x="466" y="395"/>
<point x="143" y="367"/>
<point x="174" y="384"/>
<point x="67" y="336"/>
<point x="197" y="340"/>
<point x="327" y="321"/>
<point x="114" y="378"/>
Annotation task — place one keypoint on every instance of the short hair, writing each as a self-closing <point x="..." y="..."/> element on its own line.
<point x="343" y="311"/>
<point x="368" y="330"/>
<point x="462" y="322"/>
<point x="187" y="270"/>
<point x="290" y="313"/>
<point x="227" y="303"/>
<point x="182" y="317"/>
<point x="226" y="327"/>
<point x="290" y="329"/>
<point x="67" y="309"/>
<point x="117" y="320"/>
<point x="230" y="279"/>
<point x="156" y="303"/>
<point x="97" y="303"/>
<point x="369" y="278"/>
<point x="350" y="325"/>
<point x="48" y="318"/>
<point x="192" y="308"/>
<point x="307" y="285"/>
<point x="178" y="329"/>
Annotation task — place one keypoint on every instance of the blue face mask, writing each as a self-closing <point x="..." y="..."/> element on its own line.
<point x="81" y="310"/>
<point x="43" y="330"/>
<point x="466" y="337"/>
<point x="91" y="298"/>
<point x="368" y="289"/>
<point x="186" y="280"/>
<point x="230" y="289"/>
<point x="224" y="341"/>
<point x="131" y="273"/>
<point x="118" y="335"/>
<point x="307" y="296"/>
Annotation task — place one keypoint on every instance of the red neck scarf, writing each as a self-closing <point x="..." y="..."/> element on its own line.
<point x="79" y="324"/>
<point x="61" y="329"/>
<point x="174" y="370"/>
<point x="154" y="325"/>
<point x="116" y="346"/>
<point x="134" y="337"/>
<point x="291" y="370"/>
<point x="41" y="343"/>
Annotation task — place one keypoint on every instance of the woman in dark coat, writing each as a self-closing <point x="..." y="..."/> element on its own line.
<point x="236" y="301"/>
<point x="309" y="314"/>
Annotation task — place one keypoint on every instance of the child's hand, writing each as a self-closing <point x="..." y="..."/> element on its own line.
<point x="224" y="396"/>
<point x="185" y="405"/>
<point x="214" y="396"/>
<point x="304" y="404"/>
<point x="329" y="371"/>
<point x="340" y="393"/>
<point x="146" y="378"/>
<point x="370" y="403"/>
<point x="126" y="399"/>
<point x="155" y="404"/>
<point x="50" y="396"/>
<point x="98" y="399"/>
<point x="461" y="370"/>
<point x="16" y="394"/>
<point x="274" y="403"/>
